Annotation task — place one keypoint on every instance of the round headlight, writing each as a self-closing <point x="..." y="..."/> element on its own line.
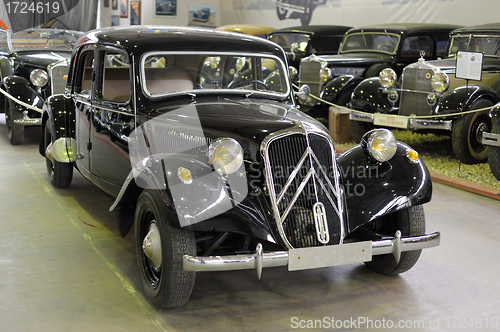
<point x="226" y="155"/>
<point x="380" y="144"/>
<point x="39" y="77"/>
<point x="325" y="74"/>
<point x="387" y="77"/>
<point x="293" y="72"/>
<point x="440" y="82"/>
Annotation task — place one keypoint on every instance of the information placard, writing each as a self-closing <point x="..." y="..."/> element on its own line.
<point x="469" y="65"/>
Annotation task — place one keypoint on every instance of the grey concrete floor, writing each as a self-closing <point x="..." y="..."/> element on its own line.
<point x="64" y="267"/>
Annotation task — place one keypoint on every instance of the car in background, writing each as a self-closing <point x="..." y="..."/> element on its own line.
<point x="214" y="167"/>
<point x="302" y="41"/>
<point x="248" y="29"/>
<point x="431" y="90"/>
<point x="33" y="64"/>
<point x="202" y="15"/>
<point x="364" y="52"/>
<point x="492" y="140"/>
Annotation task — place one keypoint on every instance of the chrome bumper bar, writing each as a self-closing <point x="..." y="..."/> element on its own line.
<point x="312" y="257"/>
<point x="412" y="122"/>
<point x="491" y="139"/>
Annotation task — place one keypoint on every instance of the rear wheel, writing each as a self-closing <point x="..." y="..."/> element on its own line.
<point x="410" y="222"/>
<point x="15" y="131"/>
<point x="60" y="174"/>
<point x="467" y="134"/>
<point x="159" y="251"/>
<point x="494" y="153"/>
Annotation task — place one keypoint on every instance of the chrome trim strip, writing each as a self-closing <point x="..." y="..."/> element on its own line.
<point x="491" y="139"/>
<point x="292" y="176"/>
<point x="355" y="116"/>
<point x="297" y="193"/>
<point x="430" y="124"/>
<point x="259" y="259"/>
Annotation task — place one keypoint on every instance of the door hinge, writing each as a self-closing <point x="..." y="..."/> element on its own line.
<point x="89" y="146"/>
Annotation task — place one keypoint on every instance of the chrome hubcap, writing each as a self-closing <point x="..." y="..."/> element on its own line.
<point x="151" y="245"/>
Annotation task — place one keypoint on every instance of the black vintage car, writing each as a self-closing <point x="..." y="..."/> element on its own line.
<point x="302" y="41"/>
<point x="365" y="51"/>
<point x="432" y="90"/>
<point x="196" y="135"/>
<point x="33" y="63"/>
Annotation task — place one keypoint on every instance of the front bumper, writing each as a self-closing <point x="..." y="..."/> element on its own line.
<point x="314" y="257"/>
<point x="401" y="121"/>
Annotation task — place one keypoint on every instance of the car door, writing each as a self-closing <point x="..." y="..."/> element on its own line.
<point x="112" y="118"/>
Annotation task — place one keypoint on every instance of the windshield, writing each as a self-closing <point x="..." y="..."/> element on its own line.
<point x="286" y="40"/>
<point x="382" y="42"/>
<point x="488" y="44"/>
<point x="166" y="73"/>
<point x="44" y="39"/>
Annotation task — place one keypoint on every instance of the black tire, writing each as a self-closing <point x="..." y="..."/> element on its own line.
<point x="60" y="174"/>
<point x="410" y="222"/>
<point x="358" y="128"/>
<point x="281" y="12"/>
<point x="467" y="133"/>
<point x="15" y="132"/>
<point x="494" y="153"/>
<point x="305" y="19"/>
<point x="168" y="285"/>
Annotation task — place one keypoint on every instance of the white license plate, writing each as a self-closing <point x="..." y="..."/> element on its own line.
<point x="316" y="257"/>
<point x="388" y="120"/>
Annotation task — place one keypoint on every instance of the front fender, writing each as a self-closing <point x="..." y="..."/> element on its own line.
<point x="20" y="88"/>
<point x="57" y="109"/>
<point x="374" y="190"/>
<point x="369" y="96"/>
<point x="339" y="86"/>
<point x="461" y="98"/>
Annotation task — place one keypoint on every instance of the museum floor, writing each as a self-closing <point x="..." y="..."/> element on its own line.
<point x="64" y="267"/>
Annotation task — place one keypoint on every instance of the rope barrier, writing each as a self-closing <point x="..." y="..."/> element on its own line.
<point x="410" y="116"/>
<point x="28" y="106"/>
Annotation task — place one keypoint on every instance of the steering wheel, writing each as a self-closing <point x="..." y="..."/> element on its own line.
<point x="234" y="84"/>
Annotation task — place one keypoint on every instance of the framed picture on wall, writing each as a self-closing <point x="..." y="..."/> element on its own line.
<point x="135" y="12"/>
<point x="123" y="8"/>
<point x="114" y="4"/>
<point x="165" y="7"/>
<point x="115" y="20"/>
<point x="106" y="3"/>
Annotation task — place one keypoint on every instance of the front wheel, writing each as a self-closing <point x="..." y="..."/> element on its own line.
<point x="494" y="153"/>
<point x="15" y="132"/>
<point x="159" y="251"/>
<point x="411" y="222"/>
<point x="60" y="174"/>
<point x="467" y="134"/>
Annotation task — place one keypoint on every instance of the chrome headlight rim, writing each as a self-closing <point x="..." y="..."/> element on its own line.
<point x="387" y="77"/>
<point x="218" y="151"/>
<point x="440" y="82"/>
<point x="379" y="144"/>
<point x="39" y="78"/>
<point x="325" y="74"/>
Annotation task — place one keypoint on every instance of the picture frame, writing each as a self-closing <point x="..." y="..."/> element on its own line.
<point x="124" y="8"/>
<point x="106" y="3"/>
<point x="114" y="4"/>
<point x="115" y="20"/>
<point x="135" y="12"/>
<point x="165" y="7"/>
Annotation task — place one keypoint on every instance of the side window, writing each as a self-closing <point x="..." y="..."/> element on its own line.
<point x="441" y="45"/>
<point x="83" y="80"/>
<point x="414" y="44"/>
<point x="115" y="77"/>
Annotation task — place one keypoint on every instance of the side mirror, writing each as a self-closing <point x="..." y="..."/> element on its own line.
<point x="304" y="92"/>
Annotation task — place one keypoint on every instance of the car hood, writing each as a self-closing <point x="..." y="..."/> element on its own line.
<point x="366" y="57"/>
<point x="446" y="65"/>
<point x="42" y="58"/>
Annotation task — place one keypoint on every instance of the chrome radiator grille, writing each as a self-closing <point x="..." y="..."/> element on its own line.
<point x="301" y="172"/>
<point x="309" y="74"/>
<point x="412" y="102"/>
<point x="57" y="72"/>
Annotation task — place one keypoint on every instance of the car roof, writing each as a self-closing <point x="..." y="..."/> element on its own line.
<point x="407" y="28"/>
<point x="141" y="39"/>
<point x="483" y="28"/>
<point x="315" y="29"/>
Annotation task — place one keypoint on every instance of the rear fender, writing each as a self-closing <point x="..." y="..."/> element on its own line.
<point x="373" y="190"/>
<point x="57" y="109"/>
